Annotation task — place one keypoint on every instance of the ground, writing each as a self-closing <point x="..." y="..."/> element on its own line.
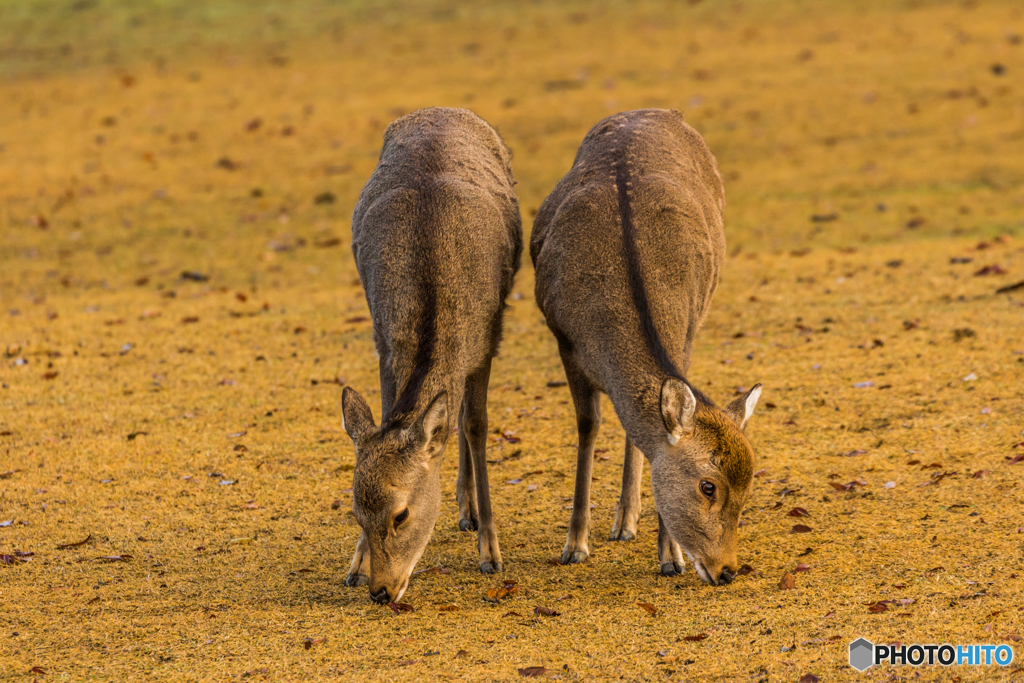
<point x="180" y="308"/>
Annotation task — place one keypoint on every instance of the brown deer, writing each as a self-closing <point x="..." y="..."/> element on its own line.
<point x="437" y="238"/>
<point x="627" y="249"/>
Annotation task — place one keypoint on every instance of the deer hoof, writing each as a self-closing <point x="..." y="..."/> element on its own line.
<point x="467" y="525"/>
<point x="575" y="557"/>
<point x="490" y="568"/>
<point x="671" y="569"/>
<point x="623" y="535"/>
<point x="354" y="580"/>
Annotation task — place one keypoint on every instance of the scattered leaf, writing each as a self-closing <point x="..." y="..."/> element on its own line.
<point x="448" y="608"/>
<point x="694" y="639"/>
<point x="799" y="512"/>
<point x="532" y="671"/>
<point x="546" y="611"/>
<point x="649" y="608"/>
<point x="65" y="546"/>
<point x="809" y="678"/>
<point x="115" y="558"/>
<point x="788" y="582"/>
<point x="800" y="529"/>
<point x="802" y="568"/>
<point x="310" y="642"/>
<point x="878" y="607"/>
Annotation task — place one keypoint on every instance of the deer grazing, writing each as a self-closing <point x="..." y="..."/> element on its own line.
<point x="437" y="238"/>
<point x="628" y="249"/>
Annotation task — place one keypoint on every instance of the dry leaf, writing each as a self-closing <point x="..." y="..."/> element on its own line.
<point x="788" y="582"/>
<point x="799" y="512"/>
<point x="532" y="671"/>
<point x="649" y="608"/>
<point x="65" y="546"/>
<point x="310" y="642"/>
<point x="546" y="611"/>
<point x="693" y="639"/>
<point x="800" y="529"/>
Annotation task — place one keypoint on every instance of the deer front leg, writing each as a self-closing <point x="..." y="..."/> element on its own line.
<point x="475" y="409"/>
<point x="359" y="570"/>
<point x="669" y="553"/>
<point x="628" y="514"/>
<point x="588" y="420"/>
<point x="465" y="486"/>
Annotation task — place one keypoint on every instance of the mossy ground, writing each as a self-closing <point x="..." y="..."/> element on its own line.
<point x="130" y="153"/>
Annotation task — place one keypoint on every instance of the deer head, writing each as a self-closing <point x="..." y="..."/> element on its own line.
<point x="702" y="473"/>
<point x="396" y="487"/>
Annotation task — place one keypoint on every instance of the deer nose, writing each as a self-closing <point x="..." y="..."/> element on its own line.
<point x="726" y="576"/>
<point x="380" y="597"/>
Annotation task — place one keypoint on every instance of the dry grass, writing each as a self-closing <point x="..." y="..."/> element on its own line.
<point x="121" y="169"/>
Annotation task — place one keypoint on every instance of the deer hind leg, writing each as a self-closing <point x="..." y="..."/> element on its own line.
<point x="670" y="555"/>
<point x="475" y="413"/>
<point x="628" y="514"/>
<point x="587" y="401"/>
<point x="465" y="487"/>
<point x="359" y="570"/>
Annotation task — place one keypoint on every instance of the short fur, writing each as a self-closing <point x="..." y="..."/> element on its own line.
<point x="628" y="249"/>
<point x="437" y="239"/>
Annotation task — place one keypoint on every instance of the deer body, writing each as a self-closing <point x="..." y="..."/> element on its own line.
<point x="437" y="239"/>
<point x="628" y="249"/>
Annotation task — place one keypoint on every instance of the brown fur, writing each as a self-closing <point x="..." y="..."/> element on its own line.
<point x="437" y="239"/>
<point x="628" y="249"/>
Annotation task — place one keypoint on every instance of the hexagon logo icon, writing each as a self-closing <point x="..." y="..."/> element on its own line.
<point x="861" y="652"/>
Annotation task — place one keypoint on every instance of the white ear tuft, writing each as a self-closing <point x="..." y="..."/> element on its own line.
<point x="677" y="408"/>
<point x="742" y="408"/>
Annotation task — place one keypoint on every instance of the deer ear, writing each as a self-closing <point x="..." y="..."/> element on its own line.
<point x="677" y="408"/>
<point x="431" y="430"/>
<point x="356" y="418"/>
<point x="742" y="408"/>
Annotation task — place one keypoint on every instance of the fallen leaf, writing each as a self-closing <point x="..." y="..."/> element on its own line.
<point x="310" y="642"/>
<point x="994" y="269"/>
<point x="799" y="512"/>
<point x="1011" y="636"/>
<point x="496" y="594"/>
<point x="50" y="374"/>
<point x="878" y="607"/>
<point x="37" y="670"/>
<point x="546" y="611"/>
<point x="511" y="614"/>
<point x="65" y="546"/>
<point x="788" y="582"/>
<point x="115" y="558"/>
<point x="802" y="568"/>
<point x="532" y="671"/>
<point x="649" y="608"/>
<point x="809" y="678"/>
<point x="448" y="608"/>
<point x="800" y="529"/>
<point x="397" y="607"/>
<point x="694" y="639"/>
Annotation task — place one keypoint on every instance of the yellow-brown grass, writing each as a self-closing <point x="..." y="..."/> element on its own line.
<point x="128" y="159"/>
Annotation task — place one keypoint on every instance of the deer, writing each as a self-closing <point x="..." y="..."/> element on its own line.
<point x="627" y="250"/>
<point x="437" y="240"/>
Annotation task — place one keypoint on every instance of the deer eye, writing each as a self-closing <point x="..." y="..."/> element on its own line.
<point x="708" y="489"/>
<point x="401" y="517"/>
